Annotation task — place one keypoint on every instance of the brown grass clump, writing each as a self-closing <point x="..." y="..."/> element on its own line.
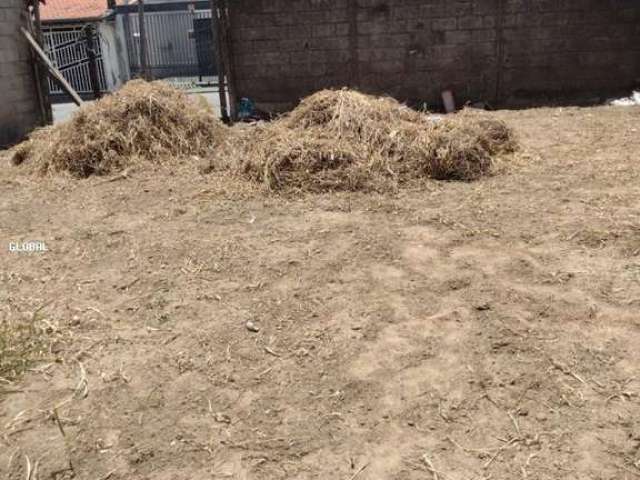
<point x="384" y="133"/>
<point x="495" y="135"/>
<point x="22" y="342"/>
<point x="456" y="152"/>
<point x="281" y="157"/>
<point x="148" y="121"/>
<point x="346" y="140"/>
<point x="349" y="113"/>
<point x="462" y="146"/>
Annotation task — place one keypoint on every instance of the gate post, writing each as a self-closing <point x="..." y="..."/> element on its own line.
<point x="217" y="54"/>
<point x="144" y="60"/>
<point x="89" y="31"/>
<point x="227" y="56"/>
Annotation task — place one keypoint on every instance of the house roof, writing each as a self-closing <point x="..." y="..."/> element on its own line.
<point x="61" y="10"/>
<point x="72" y="9"/>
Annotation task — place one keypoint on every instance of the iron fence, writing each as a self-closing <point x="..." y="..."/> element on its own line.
<point x="179" y="43"/>
<point x="66" y="47"/>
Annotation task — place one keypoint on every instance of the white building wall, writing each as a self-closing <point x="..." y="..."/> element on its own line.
<point x="114" y="53"/>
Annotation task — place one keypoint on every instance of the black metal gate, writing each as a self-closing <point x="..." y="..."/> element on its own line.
<point x="67" y="49"/>
<point x="179" y="41"/>
<point x="204" y="46"/>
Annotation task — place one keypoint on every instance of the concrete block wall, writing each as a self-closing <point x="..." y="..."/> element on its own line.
<point x="19" y="108"/>
<point x="501" y="51"/>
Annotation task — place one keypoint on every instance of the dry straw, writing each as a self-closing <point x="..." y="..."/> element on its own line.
<point x="148" y="121"/>
<point x="334" y="140"/>
<point x="346" y="140"/>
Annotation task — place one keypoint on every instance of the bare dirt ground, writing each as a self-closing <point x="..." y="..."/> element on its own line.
<point x="453" y="331"/>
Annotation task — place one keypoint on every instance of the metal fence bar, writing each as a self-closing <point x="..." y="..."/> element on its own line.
<point x="172" y="48"/>
<point x="175" y="47"/>
<point x="66" y="48"/>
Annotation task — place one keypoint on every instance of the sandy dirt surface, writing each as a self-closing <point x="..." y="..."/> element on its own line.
<point x="488" y="330"/>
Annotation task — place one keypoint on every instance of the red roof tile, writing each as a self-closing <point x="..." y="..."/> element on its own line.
<point x="72" y="9"/>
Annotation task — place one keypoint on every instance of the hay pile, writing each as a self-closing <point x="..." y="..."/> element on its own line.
<point x="463" y="146"/>
<point x="494" y="135"/>
<point x="148" y="121"/>
<point x="346" y="140"/>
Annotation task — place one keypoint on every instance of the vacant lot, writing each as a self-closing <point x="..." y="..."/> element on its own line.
<point x="453" y="331"/>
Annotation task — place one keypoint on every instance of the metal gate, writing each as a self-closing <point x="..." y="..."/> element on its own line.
<point x="180" y="43"/>
<point x="66" y="47"/>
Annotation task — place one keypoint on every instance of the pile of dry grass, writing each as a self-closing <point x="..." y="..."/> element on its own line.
<point x="346" y="140"/>
<point x="148" y="121"/>
<point x="349" y="113"/>
<point x="455" y="152"/>
<point x="281" y="157"/>
<point x="494" y="135"/>
<point x="462" y="146"/>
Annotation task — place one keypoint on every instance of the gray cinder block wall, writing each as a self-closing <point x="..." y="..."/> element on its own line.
<point x="501" y="51"/>
<point x="19" y="107"/>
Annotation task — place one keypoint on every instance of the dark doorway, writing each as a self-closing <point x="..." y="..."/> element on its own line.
<point x="205" y="47"/>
